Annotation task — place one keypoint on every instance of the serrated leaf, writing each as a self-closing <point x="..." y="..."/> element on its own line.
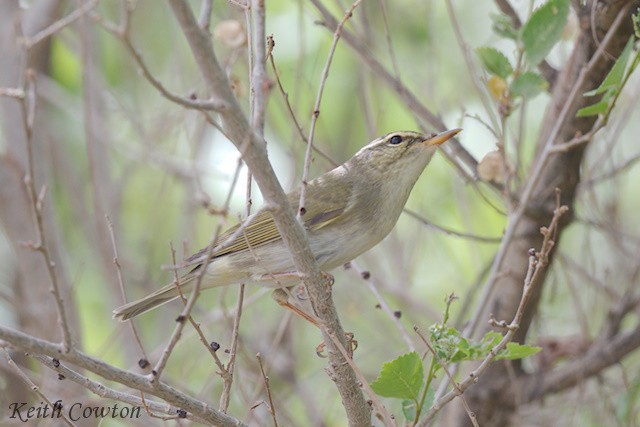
<point x="503" y="26"/>
<point x="494" y="61"/>
<point x="543" y="29"/>
<point x="528" y="85"/>
<point x="593" y="110"/>
<point x="401" y="378"/>
<point x="517" y="351"/>
<point x="614" y="78"/>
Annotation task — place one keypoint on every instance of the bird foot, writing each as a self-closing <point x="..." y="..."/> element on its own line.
<point x="352" y="345"/>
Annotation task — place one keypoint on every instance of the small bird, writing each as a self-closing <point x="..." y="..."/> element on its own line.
<point x="347" y="211"/>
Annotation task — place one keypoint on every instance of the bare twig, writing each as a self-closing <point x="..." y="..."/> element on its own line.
<point x="210" y="104"/>
<point x="36" y="389"/>
<point x="139" y="382"/>
<point x="116" y="262"/>
<point x="383" y="304"/>
<point x="453" y="150"/>
<point x="30" y="42"/>
<point x="11" y="92"/>
<point x="28" y="107"/>
<point x="537" y="264"/>
<point x="107" y="392"/>
<point x="450" y="232"/>
<point x="265" y="378"/>
<point x="316" y="108"/>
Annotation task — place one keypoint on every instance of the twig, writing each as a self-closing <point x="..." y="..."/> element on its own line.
<point x="285" y="96"/>
<point x="364" y="275"/>
<point x="453" y="150"/>
<point x="211" y="347"/>
<point x="265" y="378"/>
<point x="477" y="84"/>
<point x="28" y="107"/>
<point x="107" y="392"/>
<point x="456" y="386"/>
<point x="116" y="262"/>
<point x="11" y="92"/>
<point x="205" y="15"/>
<point x="30" y="42"/>
<point x="387" y="34"/>
<point x="210" y="104"/>
<point x="450" y="232"/>
<point x="316" y="107"/>
<point x="139" y="382"/>
<point x="34" y="388"/>
<point x="537" y="264"/>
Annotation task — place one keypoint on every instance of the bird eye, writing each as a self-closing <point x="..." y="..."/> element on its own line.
<point x="395" y="140"/>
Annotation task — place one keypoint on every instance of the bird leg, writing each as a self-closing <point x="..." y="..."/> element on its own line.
<point x="281" y="296"/>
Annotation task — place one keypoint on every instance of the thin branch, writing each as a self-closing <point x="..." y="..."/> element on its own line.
<point x="28" y="107"/>
<point x="211" y="104"/>
<point x="316" y="108"/>
<point x="116" y="262"/>
<point x="265" y="378"/>
<point x="453" y="150"/>
<point x="456" y="386"/>
<point x="366" y="276"/>
<point x="538" y="262"/>
<point x="11" y="92"/>
<point x="450" y="232"/>
<point x="36" y="389"/>
<point x="30" y="42"/>
<point x="285" y="96"/>
<point x="107" y="392"/>
<point x="171" y="395"/>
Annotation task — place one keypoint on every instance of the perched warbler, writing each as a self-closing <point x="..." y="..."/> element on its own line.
<point x="347" y="211"/>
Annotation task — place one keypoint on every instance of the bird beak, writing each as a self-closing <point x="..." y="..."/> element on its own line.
<point x="441" y="137"/>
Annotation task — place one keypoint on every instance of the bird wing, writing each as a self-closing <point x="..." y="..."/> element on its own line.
<point x="322" y="208"/>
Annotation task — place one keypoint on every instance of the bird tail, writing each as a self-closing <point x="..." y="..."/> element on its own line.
<point x="151" y="301"/>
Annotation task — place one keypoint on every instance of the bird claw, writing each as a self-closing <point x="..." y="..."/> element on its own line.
<point x="328" y="280"/>
<point x="352" y="345"/>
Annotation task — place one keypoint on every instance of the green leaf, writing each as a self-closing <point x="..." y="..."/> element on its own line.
<point x="401" y="378"/>
<point x="409" y="407"/>
<point x="517" y="351"/>
<point x="636" y="23"/>
<point x="543" y="29"/>
<point x="503" y="26"/>
<point x="494" y="61"/>
<point x="593" y="110"/>
<point x="528" y="85"/>
<point x="616" y="74"/>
